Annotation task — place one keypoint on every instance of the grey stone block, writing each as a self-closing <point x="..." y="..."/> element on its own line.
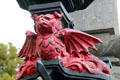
<point x="99" y="17"/>
<point x="116" y="72"/>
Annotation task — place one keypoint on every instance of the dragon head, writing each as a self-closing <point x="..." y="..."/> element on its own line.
<point x="48" y="23"/>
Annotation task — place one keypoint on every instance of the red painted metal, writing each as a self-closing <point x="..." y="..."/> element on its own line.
<point x="51" y="41"/>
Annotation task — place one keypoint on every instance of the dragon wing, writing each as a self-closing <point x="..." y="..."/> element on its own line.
<point x="76" y="41"/>
<point x="29" y="48"/>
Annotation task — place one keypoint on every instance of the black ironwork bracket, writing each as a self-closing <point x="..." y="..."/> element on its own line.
<point x="70" y="5"/>
<point x="42" y="71"/>
<point x="53" y="70"/>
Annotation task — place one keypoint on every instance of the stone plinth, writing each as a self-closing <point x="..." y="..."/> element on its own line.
<point x="99" y="17"/>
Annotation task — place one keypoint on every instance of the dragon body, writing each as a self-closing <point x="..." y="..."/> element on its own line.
<point x="51" y="41"/>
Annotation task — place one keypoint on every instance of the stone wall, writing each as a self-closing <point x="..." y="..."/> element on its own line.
<point x="99" y="17"/>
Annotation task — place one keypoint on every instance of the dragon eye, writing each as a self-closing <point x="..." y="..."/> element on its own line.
<point x="42" y="19"/>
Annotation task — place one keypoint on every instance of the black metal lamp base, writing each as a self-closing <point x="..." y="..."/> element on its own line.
<point x="70" y="5"/>
<point x="53" y="70"/>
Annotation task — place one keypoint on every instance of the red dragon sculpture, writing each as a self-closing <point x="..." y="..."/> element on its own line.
<point x="51" y="41"/>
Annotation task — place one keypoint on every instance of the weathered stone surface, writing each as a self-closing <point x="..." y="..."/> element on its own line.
<point x="100" y="16"/>
<point x="110" y="46"/>
<point x="105" y="37"/>
<point x="114" y="47"/>
<point x="116" y="72"/>
<point x="115" y="61"/>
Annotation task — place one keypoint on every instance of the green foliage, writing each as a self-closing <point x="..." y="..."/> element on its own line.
<point x="9" y="62"/>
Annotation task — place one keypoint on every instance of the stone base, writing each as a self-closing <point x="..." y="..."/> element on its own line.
<point x="116" y="72"/>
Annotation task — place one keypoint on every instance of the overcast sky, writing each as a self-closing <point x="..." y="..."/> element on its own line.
<point x="14" y="22"/>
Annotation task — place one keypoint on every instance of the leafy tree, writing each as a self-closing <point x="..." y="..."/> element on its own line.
<point x="9" y="62"/>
